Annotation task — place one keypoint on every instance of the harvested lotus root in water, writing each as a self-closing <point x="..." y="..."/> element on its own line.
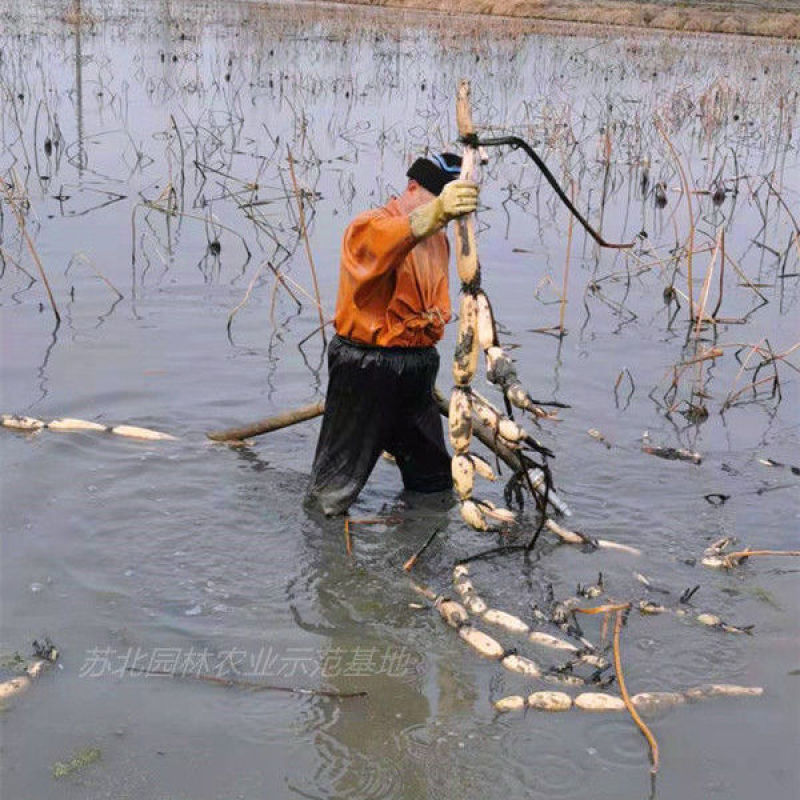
<point x="69" y="425"/>
<point x="646" y="702"/>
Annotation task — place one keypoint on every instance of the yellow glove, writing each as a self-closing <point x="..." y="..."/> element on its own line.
<point x="457" y="198"/>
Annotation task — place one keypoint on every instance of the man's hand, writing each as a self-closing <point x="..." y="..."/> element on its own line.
<point x="457" y="198"/>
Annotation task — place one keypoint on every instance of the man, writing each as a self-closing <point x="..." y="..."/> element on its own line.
<point x="391" y="310"/>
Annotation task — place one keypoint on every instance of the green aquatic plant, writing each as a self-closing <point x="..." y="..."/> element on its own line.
<point x="82" y="759"/>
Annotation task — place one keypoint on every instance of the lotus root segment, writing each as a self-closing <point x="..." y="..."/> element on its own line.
<point x="21" y="423"/>
<point x="481" y="642"/>
<point x="465" y="357"/>
<point x="463" y="473"/>
<point x="490" y="510"/>
<point x="460" y="420"/>
<point x="473" y="516"/>
<point x="486" y="332"/>
<point x="483" y="468"/>
<point x="500" y="368"/>
<point x="453" y="613"/>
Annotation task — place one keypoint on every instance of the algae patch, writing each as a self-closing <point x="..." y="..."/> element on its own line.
<point x="81" y="760"/>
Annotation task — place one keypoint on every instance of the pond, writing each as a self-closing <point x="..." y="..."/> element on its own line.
<point x="146" y="150"/>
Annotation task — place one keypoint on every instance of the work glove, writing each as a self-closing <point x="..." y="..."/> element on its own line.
<point x="456" y="199"/>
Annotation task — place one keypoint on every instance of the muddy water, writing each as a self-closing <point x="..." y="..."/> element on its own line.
<point x="188" y="557"/>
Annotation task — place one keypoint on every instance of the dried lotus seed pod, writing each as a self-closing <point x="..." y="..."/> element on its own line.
<point x="481" y="642"/>
<point x="522" y="665"/>
<point x="463" y="473"/>
<point x="504" y="620"/>
<point x="473" y="516"/>
<point x="652" y="702"/>
<point x="452" y="613"/>
<point x="460" y="420"/>
<point x="465" y="356"/>
<point x="598" y="701"/>
<point x="550" y="701"/>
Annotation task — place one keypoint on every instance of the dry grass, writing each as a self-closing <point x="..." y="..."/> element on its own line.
<point x="732" y="17"/>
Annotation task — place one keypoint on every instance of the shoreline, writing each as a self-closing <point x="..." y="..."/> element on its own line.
<point x="772" y="21"/>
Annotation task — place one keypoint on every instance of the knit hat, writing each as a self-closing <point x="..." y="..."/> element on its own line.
<point x="434" y="172"/>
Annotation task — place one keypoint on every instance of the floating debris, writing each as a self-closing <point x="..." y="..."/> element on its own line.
<point x="670" y="453"/>
<point x="575" y="537"/>
<point x="45" y="654"/>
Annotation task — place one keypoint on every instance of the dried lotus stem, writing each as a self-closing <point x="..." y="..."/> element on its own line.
<point x="413" y="560"/>
<point x="734" y="559"/>
<point x="651" y="740"/>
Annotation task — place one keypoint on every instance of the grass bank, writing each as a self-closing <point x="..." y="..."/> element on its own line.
<point x="755" y="18"/>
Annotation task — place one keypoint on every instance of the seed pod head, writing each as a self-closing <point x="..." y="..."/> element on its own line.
<point x="463" y="473"/>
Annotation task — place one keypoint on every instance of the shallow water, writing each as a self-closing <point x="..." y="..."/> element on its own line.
<point x="188" y="556"/>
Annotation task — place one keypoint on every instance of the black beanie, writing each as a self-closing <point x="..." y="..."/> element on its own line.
<point x="434" y="172"/>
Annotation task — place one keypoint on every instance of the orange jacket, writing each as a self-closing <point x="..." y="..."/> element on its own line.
<point x="393" y="289"/>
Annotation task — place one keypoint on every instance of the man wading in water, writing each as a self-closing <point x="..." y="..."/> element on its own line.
<point x="391" y="310"/>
